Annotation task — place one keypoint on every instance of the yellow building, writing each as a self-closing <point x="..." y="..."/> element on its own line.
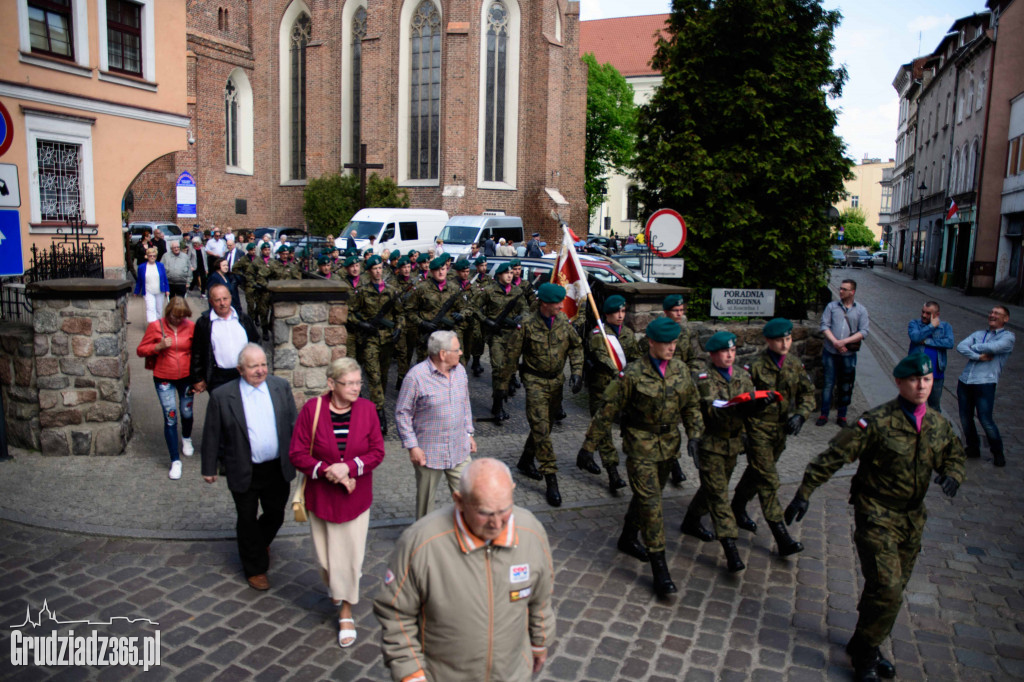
<point x="95" y="93"/>
<point x="866" y="193"/>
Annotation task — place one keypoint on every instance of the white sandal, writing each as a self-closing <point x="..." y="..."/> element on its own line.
<point x="344" y="634"/>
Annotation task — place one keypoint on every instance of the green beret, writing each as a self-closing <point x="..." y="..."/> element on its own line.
<point x="777" y="328"/>
<point x="368" y="252"/>
<point x="251" y="246"/>
<point x="403" y="261"/>
<point x="550" y="293"/>
<point x="504" y="267"/>
<point x="265" y="245"/>
<point x="514" y="263"/>
<point x="287" y="249"/>
<point x="914" y="365"/>
<point x="423" y="258"/>
<point x="612" y="304"/>
<point x="323" y="260"/>
<point x="350" y="261"/>
<point x="373" y="260"/>
<point x="394" y="255"/>
<point x="480" y="260"/>
<point x="412" y="252"/>
<point x="462" y="264"/>
<point x="351" y="252"/>
<point x="671" y="301"/>
<point x="663" y="330"/>
<point x="720" y="341"/>
<point x="438" y="262"/>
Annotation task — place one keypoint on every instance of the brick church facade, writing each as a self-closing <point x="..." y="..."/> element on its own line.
<point x="469" y="105"/>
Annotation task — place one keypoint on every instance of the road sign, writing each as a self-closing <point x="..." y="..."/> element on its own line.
<point x="10" y="192"/>
<point x="665" y="233"/>
<point x="11" y="262"/>
<point x="743" y="302"/>
<point x="6" y="129"/>
<point x="186" y="195"/>
<point x="667" y="268"/>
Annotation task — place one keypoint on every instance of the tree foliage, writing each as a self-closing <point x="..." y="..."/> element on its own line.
<point x="611" y="129"/>
<point x="740" y="140"/>
<point x="855" y="229"/>
<point x="330" y="201"/>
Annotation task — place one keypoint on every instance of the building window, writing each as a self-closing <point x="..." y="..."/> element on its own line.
<point x="60" y="172"/>
<point x="970" y="99"/>
<point x="425" y="93"/>
<point x="298" y="40"/>
<point x="981" y="91"/>
<point x="1013" y="165"/>
<point x="632" y="203"/>
<point x="50" y="27"/>
<point x="358" y="33"/>
<point x="972" y="167"/>
<point x="946" y="121"/>
<point x="124" y="37"/>
<point x="954" y="171"/>
<point x="494" y="91"/>
<point x="222" y="19"/>
<point x="231" y="124"/>
<point x="238" y="123"/>
<point x="960" y="107"/>
<point x="886" y="199"/>
<point x="854" y="201"/>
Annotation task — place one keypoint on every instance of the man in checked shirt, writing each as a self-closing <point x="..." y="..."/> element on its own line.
<point x="435" y="422"/>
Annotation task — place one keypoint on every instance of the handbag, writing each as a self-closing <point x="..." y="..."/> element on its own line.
<point x="151" y="359"/>
<point x="853" y="346"/>
<point x="299" y="500"/>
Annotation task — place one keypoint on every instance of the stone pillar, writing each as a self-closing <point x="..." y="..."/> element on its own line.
<point x="18" y="380"/>
<point x="309" y="332"/>
<point x="81" y="365"/>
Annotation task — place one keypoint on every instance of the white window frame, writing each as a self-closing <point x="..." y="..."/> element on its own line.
<point x="80" y="38"/>
<point x="347" y="153"/>
<point x="147" y="25"/>
<point x="404" y="60"/>
<point x="69" y="130"/>
<point x="284" y="63"/>
<point x="245" y="123"/>
<point x="511" y="98"/>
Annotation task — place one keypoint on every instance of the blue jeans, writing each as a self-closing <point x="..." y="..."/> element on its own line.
<point x="980" y="399"/>
<point x="174" y="396"/>
<point x="935" y="397"/>
<point x="840" y="373"/>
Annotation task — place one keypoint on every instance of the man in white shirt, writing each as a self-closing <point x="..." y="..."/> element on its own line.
<point x="219" y="336"/>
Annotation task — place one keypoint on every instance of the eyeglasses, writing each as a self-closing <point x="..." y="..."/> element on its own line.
<point x="344" y="384"/>
<point x="458" y="350"/>
<point x="845" y="289"/>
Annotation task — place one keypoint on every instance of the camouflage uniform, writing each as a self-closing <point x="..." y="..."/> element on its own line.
<point x="684" y="350"/>
<point x="544" y="352"/>
<point x="887" y="493"/>
<point x="425" y="304"/>
<point x="602" y="371"/>
<point x="376" y="345"/>
<point x="464" y="306"/>
<point x="405" y="348"/>
<point x="279" y="270"/>
<point x="722" y="443"/>
<point x="652" y="408"/>
<point x="480" y="282"/>
<point x="351" y="338"/>
<point x="260" y="274"/>
<point x="766" y="435"/>
<point x="243" y="271"/>
<point x="492" y="301"/>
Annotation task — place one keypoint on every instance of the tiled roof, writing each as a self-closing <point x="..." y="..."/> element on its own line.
<point x="626" y="42"/>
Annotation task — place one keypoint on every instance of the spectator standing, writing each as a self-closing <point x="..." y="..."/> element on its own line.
<point x="220" y="335"/>
<point x="533" y="247"/>
<point x="215" y="247"/>
<point x="221" y="275"/>
<point x="232" y="254"/>
<point x="489" y="247"/>
<point x="160" y="243"/>
<point x="845" y="324"/>
<point x="197" y="258"/>
<point x="505" y="249"/>
<point x="434" y="419"/>
<point x="152" y="285"/>
<point x="178" y="266"/>
<point x="932" y="336"/>
<point x="986" y="351"/>
<point x="336" y="445"/>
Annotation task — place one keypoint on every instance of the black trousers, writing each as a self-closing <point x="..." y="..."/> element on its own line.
<point x="178" y="289"/>
<point x="255" y="532"/>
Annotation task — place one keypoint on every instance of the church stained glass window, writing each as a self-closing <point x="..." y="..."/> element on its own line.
<point x="231" y="124"/>
<point x="358" y="33"/>
<point x="495" y="92"/>
<point x="425" y="93"/>
<point x="298" y="40"/>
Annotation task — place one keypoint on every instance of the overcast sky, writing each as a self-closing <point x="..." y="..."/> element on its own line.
<point x="874" y="39"/>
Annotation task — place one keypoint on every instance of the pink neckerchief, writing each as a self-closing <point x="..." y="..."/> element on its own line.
<point x="548" y="320"/>
<point x="380" y="287"/>
<point x="464" y="283"/>
<point x="440" y="285"/>
<point x="780" y="361"/>
<point x="517" y="281"/>
<point x="328" y="275"/>
<point x="919" y="411"/>
<point x="507" y="288"/>
<point x="354" y="280"/>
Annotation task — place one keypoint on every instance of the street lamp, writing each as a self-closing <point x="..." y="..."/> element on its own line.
<point x="920" y="210"/>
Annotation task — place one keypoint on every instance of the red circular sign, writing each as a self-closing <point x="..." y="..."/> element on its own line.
<point x="665" y="233"/>
<point x="7" y="131"/>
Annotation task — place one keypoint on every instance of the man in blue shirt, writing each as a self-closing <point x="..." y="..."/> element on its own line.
<point x="844" y="324"/>
<point x="932" y="336"/>
<point x="986" y="351"/>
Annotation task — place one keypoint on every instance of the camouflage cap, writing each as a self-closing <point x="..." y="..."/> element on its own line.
<point x="662" y="330"/>
<point x="550" y="293"/>
<point x="613" y="304"/>
<point x="671" y="301"/>
<point x="777" y="328"/>
<point x="720" y="341"/>
<point x="914" y="365"/>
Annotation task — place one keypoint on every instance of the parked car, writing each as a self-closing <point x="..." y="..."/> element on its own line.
<point x="606" y="242"/>
<point x="634" y="248"/>
<point x="171" y="232"/>
<point x="880" y="257"/>
<point x="631" y="261"/>
<point x="291" y="234"/>
<point x="859" y="258"/>
<point x="838" y="258"/>
<point x="310" y="246"/>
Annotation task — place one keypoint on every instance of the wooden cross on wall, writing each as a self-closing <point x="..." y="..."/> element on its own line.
<point x="362" y="166"/>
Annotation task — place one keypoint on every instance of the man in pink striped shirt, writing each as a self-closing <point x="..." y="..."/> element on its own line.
<point x="434" y="419"/>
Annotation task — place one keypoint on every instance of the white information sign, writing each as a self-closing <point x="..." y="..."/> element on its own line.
<point x="743" y="302"/>
<point x="668" y="268"/>
<point x="186" y="195"/>
<point x="10" y="192"/>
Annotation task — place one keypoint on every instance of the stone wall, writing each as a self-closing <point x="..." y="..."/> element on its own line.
<point x="18" y="382"/>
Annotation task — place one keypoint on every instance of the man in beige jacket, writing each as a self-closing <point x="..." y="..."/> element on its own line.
<point x="486" y="566"/>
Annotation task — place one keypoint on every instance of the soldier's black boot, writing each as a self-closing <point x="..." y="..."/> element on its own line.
<point x="663" y="585"/>
<point x="865" y="660"/>
<point x="677" y="476"/>
<point x="553" y="496"/>
<point x="743" y="520"/>
<point x="477" y="369"/>
<point x="615" y="482"/>
<point x="585" y="461"/>
<point x="527" y="468"/>
<point x="693" y="526"/>
<point x="561" y="414"/>
<point x="513" y="384"/>
<point x="883" y="667"/>
<point x="383" y="421"/>
<point x="630" y="544"/>
<point x="497" y="410"/>
<point x="732" y="556"/>
<point x="787" y="545"/>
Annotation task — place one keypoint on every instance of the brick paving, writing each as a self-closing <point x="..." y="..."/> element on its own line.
<point x="101" y="537"/>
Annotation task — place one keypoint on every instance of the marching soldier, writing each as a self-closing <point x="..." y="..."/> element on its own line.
<point x="898" y="445"/>
<point x="480" y="281"/>
<point x="391" y="271"/>
<point x="719" y="382"/>
<point x="432" y="305"/>
<point x="601" y="371"/>
<point x="285" y="267"/>
<point x="773" y="370"/>
<point x="518" y="281"/>
<point x="501" y="306"/>
<point x="241" y="270"/>
<point x="377" y="310"/>
<point x="405" y="347"/>
<point x="261" y="271"/>
<point x="546" y="342"/>
<point x="422" y="267"/>
<point x="654" y="394"/>
<point x="324" y="269"/>
<point x="463" y="309"/>
<point x="350" y="283"/>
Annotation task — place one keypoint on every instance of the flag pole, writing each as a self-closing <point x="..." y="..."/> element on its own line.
<point x="590" y="295"/>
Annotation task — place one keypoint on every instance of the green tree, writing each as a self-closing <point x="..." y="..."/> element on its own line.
<point x="330" y="201"/>
<point x="611" y="129"/>
<point x="740" y="140"/>
<point x="855" y="229"/>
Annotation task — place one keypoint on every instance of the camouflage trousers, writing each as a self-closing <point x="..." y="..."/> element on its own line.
<point x="713" y="495"/>
<point x="404" y="350"/>
<point x="250" y="304"/>
<point x="647" y="480"/>
<point x="261" y="306"/>
<point x="540" y="412"/>
<point x="888" y="543"/>
<point x="502" y="368"/>
<point x="765" y="445"/>
<point x="476" y="346"/>
<point x="595" y="399"/>
<point x="464" y="331"/>
<point x="376" y="361"/>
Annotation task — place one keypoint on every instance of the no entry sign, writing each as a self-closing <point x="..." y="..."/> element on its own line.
<point x="665" y="233"/>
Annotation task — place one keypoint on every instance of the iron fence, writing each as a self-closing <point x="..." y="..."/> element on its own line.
<point x="14" y="306"/>
<point x="68" y="258"/>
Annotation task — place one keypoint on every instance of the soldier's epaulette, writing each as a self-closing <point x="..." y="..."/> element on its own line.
<point x="862" y="423"/>
<point x="702" y="375"/>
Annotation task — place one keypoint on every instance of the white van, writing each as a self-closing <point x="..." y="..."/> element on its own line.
<point x="395" y="228"/>
<point x="464" y="230"/>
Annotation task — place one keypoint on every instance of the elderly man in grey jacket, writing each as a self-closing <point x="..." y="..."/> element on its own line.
<point x="179" y="269"/>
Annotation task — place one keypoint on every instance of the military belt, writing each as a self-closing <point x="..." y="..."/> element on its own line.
<point x="659" y="429"/>
<point x="898" y="504"/>
<point x="526" y="369"/>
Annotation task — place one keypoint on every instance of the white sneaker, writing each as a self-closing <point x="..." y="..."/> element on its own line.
<point x="186" y="447"/>
<point x="175" y="473"/>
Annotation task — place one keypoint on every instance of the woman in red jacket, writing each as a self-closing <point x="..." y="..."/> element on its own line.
<point x="337" y="444"/>
<point x="169" y="341"/>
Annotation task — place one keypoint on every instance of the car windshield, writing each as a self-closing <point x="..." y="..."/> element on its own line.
<point x="458" y="234"/>
<point x="361" y="229"/>
<point x="622" y="271"/>
<point x="293" y="235"/>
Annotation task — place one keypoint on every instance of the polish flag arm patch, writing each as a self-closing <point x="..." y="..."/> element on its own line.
<point x="862" y="423"/>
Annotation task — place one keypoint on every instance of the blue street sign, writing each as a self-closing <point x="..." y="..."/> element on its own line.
<point x="186" y="195"/>
<point x="11" y="262"/>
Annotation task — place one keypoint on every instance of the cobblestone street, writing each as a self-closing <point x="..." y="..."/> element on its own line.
<point x="97" y="538"/>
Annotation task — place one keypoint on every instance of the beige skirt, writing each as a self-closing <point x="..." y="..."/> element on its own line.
<point x="340" y="548"/>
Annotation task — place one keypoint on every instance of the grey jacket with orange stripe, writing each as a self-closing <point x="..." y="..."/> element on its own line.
<point x="453" y="609"/>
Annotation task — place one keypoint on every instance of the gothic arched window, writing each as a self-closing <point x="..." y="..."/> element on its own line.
<point x="425" y="92"/>
<point x="231" y="123"/>
<point x="358" y="33"/>
<point x="298" y="39"/>
<point x="494" y="92"/>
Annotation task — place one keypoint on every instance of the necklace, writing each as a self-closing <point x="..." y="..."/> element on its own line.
<point x="340" y="408"/>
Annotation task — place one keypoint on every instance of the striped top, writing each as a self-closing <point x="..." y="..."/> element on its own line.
<point x="340" y="423"/>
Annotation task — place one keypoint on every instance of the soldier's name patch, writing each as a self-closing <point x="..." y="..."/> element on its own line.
<point x="862" y="423"/>
<point x="516" y="595"/>
<point x="519" y="573"/>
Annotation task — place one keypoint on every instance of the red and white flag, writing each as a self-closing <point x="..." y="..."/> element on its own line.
<point x="571" y="275"/>
<point x="951" y="213"/>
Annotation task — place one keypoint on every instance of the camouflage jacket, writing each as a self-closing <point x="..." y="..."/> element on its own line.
<point x="790" y="380"/>
<point x="684" y="350"/>
<point x="278" y="270"/>
<point x="493" y="299"/>
<point x="260" y="273"/>
<point x="528" y="293"/>
<point x="896" y="462"/>
<point x="480" y="282"/>
<point x="602" y="364"/>
<point x="544" y="350"/>
<point x="369" y="301"/>
<point x="653" y="406"/>
<point x="243" y="271"/>
<point x="427" y="301"/>
<point x="723" y="426"/>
